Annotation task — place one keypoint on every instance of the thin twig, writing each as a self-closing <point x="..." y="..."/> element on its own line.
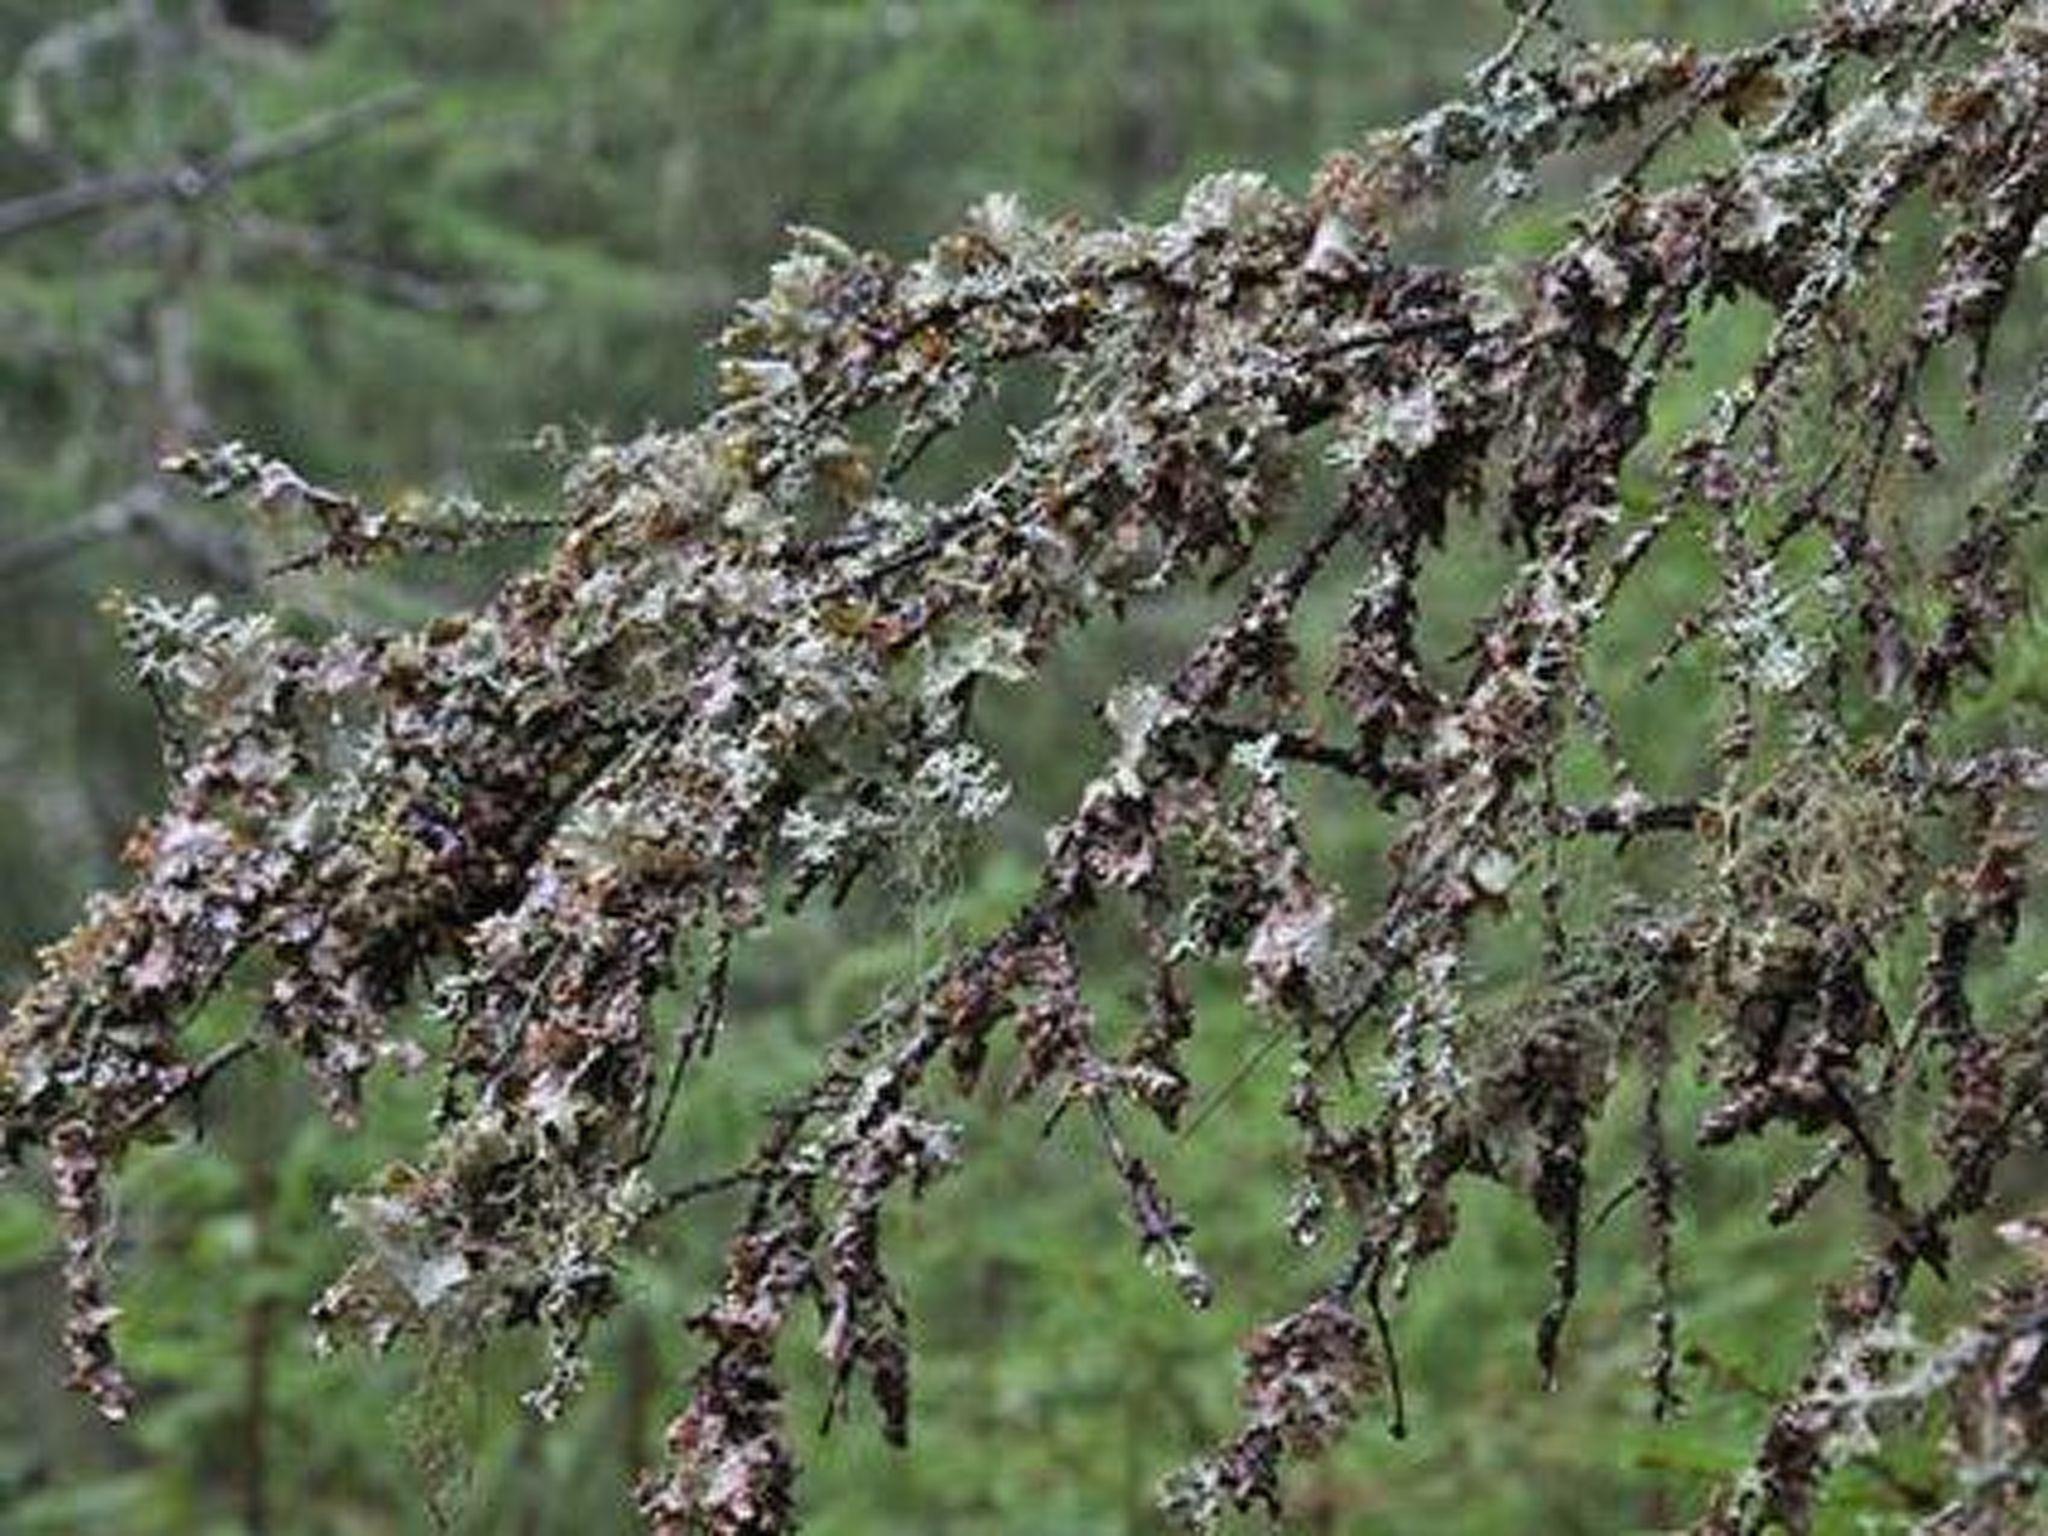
<point x="698" y="1189"/>
<point x="191" y="180"/>
<point x="192" y="1082"/>
<point x="142" y="511"/>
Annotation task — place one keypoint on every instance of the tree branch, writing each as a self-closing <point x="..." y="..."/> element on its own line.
<point x="190" y="180"/>
<point x="393" y="285"/>
<point x="143" y="509"/>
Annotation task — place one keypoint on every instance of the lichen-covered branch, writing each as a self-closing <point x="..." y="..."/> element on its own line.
<point x="752" y="664"/>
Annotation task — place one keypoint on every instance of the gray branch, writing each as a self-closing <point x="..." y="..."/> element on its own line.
<point x="191" y="180"/>
<point x="144" y="510"/>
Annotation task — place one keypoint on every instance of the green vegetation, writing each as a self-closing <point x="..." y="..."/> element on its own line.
<point x="519" y="251"/>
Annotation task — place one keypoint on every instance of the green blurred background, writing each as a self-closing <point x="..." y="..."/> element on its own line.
<point x="537" y="255"/>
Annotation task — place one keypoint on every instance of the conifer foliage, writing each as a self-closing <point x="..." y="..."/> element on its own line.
<point x="500" y="846"/>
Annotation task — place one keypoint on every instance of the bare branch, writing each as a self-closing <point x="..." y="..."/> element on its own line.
<point x="262" y="237"/>
<point x="190" y="181"/>
<point x="144" y="510"/>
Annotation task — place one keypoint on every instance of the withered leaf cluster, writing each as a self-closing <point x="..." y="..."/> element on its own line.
<point x="754" y="656"/>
